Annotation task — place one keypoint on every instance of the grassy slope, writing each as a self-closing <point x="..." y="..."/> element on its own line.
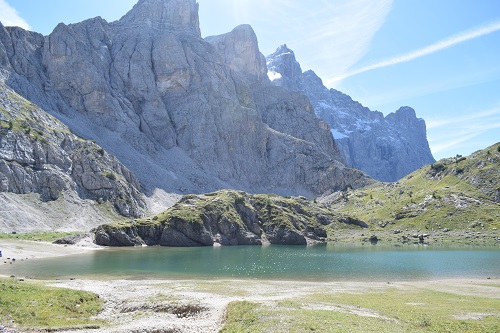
<point x="390" y="309"/>
<point x="455" y="193"/>
<point x="30" y="304"/>
<point x="43" y="236"/>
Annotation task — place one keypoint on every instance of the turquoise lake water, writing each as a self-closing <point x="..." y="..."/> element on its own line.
<point x="313" y="263"/>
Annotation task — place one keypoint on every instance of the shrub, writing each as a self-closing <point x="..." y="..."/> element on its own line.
<point x="110" y="175"/>
<point x="438" y="167"/>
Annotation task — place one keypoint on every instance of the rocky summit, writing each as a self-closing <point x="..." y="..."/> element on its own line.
<point x="386" y="148"/>
<point x="185" y="114"/>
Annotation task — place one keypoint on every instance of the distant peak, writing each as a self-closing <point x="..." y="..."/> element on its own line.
<point x="283" y="49"/>
<point x="408" y="111"/>
<point x="244" y="27"/>
<point x="284" y="70"/>
<point x="165" y="15"/>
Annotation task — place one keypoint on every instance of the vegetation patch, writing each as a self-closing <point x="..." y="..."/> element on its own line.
<point x="48" y="236"/>
<point x="242" y="317"/>
<point x="388" y="309"/>
<point x="30" y="305"/>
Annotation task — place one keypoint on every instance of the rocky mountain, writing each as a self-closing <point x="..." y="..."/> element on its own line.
<point x="38" y="154"/>
<point x="386" y="148"/>
<point x="186" y="115"/>
<point x="228" y="218"/>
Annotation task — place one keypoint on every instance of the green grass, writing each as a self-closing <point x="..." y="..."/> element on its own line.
<point x="453" y="193"/>
<point x="31" y="305"/>
<point x="48" y="236"/>
<point x="386" y="310"/>
<point x="241" y="317"/>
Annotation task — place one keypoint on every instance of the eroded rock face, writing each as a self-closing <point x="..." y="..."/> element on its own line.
<point x="164" y="15"/>
<point x="386" y="148"/>
<point x="184" y="114"/>
<point x="38" y="154"/>
<point x="240" y="50"/>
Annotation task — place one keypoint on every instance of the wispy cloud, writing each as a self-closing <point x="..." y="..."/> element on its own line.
<point x="453" y="133"/>
<point x="433" y="48"/>
<point x="441" y="84"/>
<point x="10" y="17"/>
<point x="335" y="34"/>
<point x="471" y="120"/>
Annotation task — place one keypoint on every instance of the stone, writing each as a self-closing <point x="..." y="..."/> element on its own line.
<point x="374" y="239"/>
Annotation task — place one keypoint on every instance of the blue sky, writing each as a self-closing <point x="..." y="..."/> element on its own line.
<point x="441" y="57"/>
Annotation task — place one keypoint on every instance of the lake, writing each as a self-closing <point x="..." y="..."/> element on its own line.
<point x="313" y="263"/>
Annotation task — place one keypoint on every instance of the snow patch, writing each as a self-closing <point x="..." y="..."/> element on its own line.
<point x="273" y="75"/>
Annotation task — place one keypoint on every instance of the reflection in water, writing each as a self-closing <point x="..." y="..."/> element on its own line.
<point x="314" y="263"/>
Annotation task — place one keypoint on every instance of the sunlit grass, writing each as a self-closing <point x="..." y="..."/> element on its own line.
<point x="48" y="236"/>
<point x="30" y="305"/>
<point x="389" y="309"/>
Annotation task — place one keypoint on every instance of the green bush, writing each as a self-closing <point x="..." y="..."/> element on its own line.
<point x="110" y="175"/>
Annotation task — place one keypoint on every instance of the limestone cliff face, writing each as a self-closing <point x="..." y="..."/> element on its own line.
<point x="38" y="154"/>
<point x="240" y="51"/>
<point x="386" y="148"/>
<point x="184" y="114"/>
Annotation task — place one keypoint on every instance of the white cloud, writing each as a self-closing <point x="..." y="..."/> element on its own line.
<point x="433" y="48"/>
<point x="10" y="17"/>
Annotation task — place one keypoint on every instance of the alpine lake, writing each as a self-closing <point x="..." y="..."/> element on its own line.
<point x="328" y="262"/>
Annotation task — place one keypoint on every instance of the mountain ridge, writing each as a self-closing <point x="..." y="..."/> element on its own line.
<point x="386" y="148"/>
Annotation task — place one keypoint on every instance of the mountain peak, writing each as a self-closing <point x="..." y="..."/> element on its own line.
<point x="284" y="70"/>
<point x="165" y="15"/>
<point x="283" y="49"/>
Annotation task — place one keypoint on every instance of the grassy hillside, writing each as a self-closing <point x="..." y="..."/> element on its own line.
<point x="460" y="193"/>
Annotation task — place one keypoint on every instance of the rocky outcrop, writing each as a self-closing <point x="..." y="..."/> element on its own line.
<point x="226" y="218"/>
<point x="386" y="148"/>
<point x="38" y="154"/>
<point x="186" y="115"/>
